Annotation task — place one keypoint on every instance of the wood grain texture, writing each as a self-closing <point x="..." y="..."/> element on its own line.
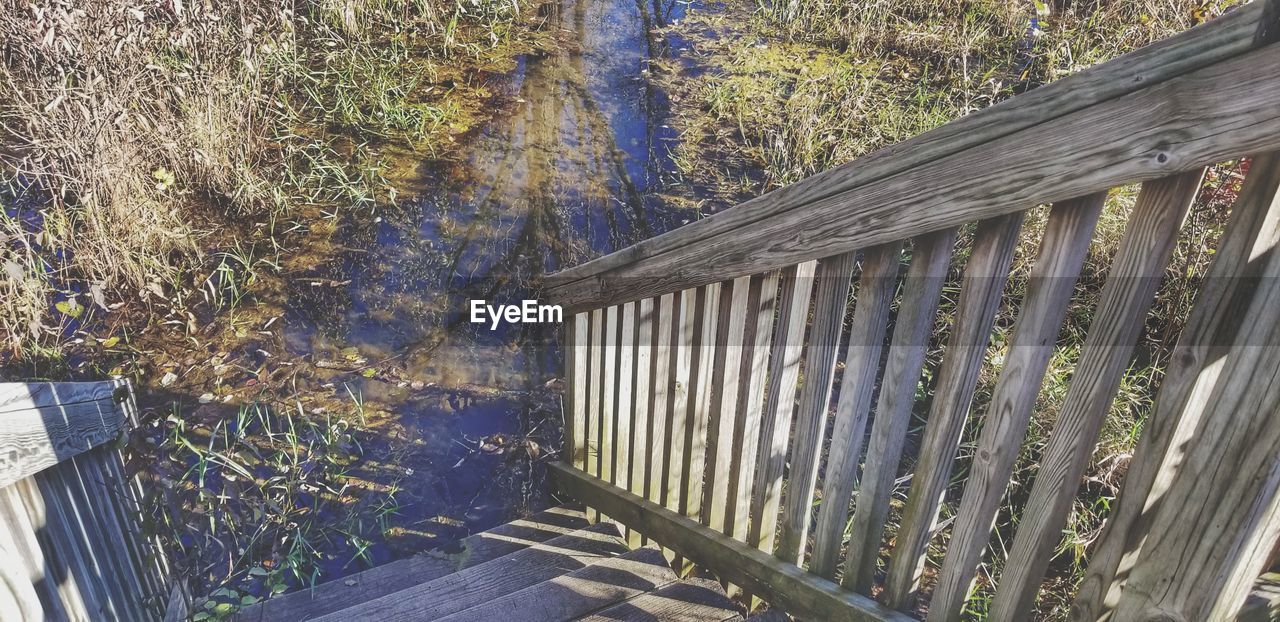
<point x="478" y="584"/>
<point x="663" y="384"/>
<point x="402" y="574"/>
<point x="609" y="395"/>
<point x="1246" y="29"/>
<point x="761" y="305"/>
<point x="643" y="426"/>
<point x="876" y="287"/>
<point x="680" y="397"/>
<point x="1181" y="124"/>
<point x="790" y="588"/>
<point x="595" y="410"/>
<point x="626" y="395"/>
<point x="578" y="593"/>
<point x="690" y="600"/>
<point x="981" y="287"/>
<point x="704" y="358"/>
<point x="731" y="346"/>
<point x="1062" y="251"/>
<point x="576" y="343"/>
<point x="930" y="258"/>
<point x="780" y="402"/>
<point x="1218" y="522"/>
<point x="1193" y="369"/>
<point x="832" y="282"/>
<point x="1136" y="271"/>
<point x="39" y="431"/>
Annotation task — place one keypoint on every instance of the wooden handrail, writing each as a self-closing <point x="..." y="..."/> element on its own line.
<point x="42" y="424"/>
<point x="1174" y="106"/>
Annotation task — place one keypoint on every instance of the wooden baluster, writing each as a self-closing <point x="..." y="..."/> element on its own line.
<point x="724" y="399"/>
<point x="1062" y="251"/>
<point x="876" y="287"/>
<point x="761" y="304"/>
<point x="780" y="402"/>
<point x="576" y="377"/>
<point x="985" y="275"/>
<point x="833" y="284"/>
<point x="1131" y="285"/>
<point x="676" y="433"/>
<point x="625" y="412"/>
<point x="704" y="360"/>
<point x="1193" y="370"/>
<point x="609" y="399"/>
<point x="931" y="256"/>
<point x="1216" y="525"/>
<point x="663" y="385"/>
<point x="595" y="404"/>
<point x="642" y="426"/>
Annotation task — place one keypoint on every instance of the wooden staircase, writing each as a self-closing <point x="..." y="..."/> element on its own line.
<point x="552" y="566"/>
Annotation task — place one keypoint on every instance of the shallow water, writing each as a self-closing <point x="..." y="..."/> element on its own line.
<point x="574" y="165"/>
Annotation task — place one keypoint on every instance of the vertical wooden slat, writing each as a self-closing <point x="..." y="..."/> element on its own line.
<point x="704" y="357"/>
<point x="680" y="396"/>
<point x="595" y="404"/>
<point x="1218" y="522"/>
<point x="1131" y="284"/>
<point x="663" y="387"/>
<point x="833" y="284"/>
<point x="576" y="342"/>
<point x="1062" y="251"/>
<point x="625" y="412"/>
<point x="761" y="304"/>
<point x="609" y="396"/>
<point x="89" y="493"/>
<point x="780" y="402"/>
<point x="643" y="390"/>
<point x="26" y="568"/>
<point x="724" y="398"/>
<point x="1193" y="369"/>
<point x="986" y="273"/>
<point x="876" y="287"/>
<point x="930" y="258"/>
<point x="71" y="584"/>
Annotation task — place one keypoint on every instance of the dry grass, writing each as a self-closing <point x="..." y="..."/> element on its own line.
<point x="129" y="131"/>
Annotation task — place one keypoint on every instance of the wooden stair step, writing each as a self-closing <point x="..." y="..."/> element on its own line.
<point x="478" y="584"/>
<point x="568" y="596"/>
<point x="403" y="574"/>
<point x="690" y="600"/>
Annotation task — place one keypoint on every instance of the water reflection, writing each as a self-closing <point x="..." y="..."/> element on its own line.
<point x="576" y="164"/>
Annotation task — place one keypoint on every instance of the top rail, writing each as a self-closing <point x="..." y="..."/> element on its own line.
<point x="1200" y="96"/>
<point x="42" y="424"/>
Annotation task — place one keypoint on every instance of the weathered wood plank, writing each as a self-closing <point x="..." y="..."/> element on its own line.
<point x="1193" y="369"/>
<point x="33" y="439"/>
<point x="625" y="393"/>
<point x="478" y="584"/>
<point x="680" y="397"/>
<point x="984" y="279"/>
<point x="663" y="383"/>
<point x="789" y="587"/>
<point x="578" y="593"/>
<point x="833" y="279"/>
<point x="23" y="567"/>
<point x="1185" y="123"/>
<point x="1062" y="251"/>
<point x="761" y="305"/>
<point x="595" y="410"/>
<point x="780" y="402"/>
<point x="1248" y="28"/>
<point x="704" y="357"/>
<point x="390" y="578"/>
<point x="576" y="374"/>
<point x="1218" y="522"/>
<point x="876" y="287"/>
<point x="609" y="396"/>
<point x="690" y="600"/>
<point x="930" y="259"/>
<point x="16" y="396"/>
<point x="643" y="389"/>
<point x="1131" y="284"/>
<point x="730" y="342"/>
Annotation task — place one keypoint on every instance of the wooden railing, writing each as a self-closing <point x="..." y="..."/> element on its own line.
<point x="71" y="545"/>
<point x="701" y="363"/>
